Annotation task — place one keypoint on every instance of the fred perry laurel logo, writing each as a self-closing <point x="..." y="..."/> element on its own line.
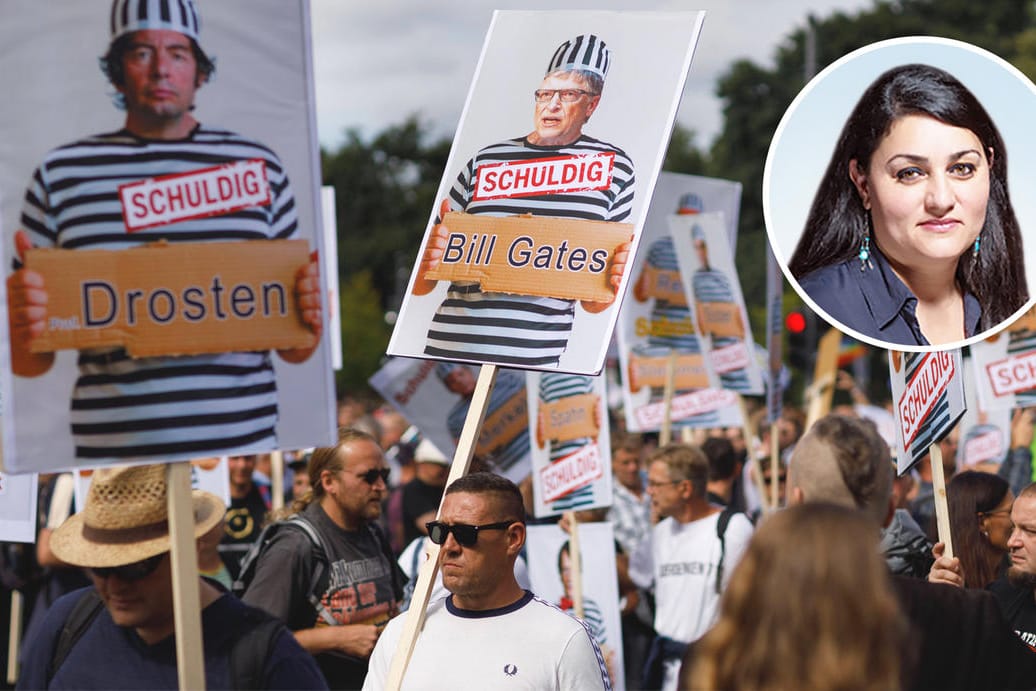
<point x="510" y="670"/>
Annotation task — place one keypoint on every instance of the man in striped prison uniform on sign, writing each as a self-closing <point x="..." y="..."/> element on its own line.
<point x="524" y="330"/>
<point x="125" y="407"/>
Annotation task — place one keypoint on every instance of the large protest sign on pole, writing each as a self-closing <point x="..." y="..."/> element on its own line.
<point x="928" y="395"/>
<point x="657" y="330"/>
<point x="241" y="396"/>
<point x="603" y="171"/>
<point x="526" y="253"/>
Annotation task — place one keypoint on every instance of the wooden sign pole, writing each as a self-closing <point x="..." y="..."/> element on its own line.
<point x="756" y="468"/>
<point x="775" y="464"/>
<point x="823" y="388"/>
<point x="665" y="435"/>
<point x="14" y="641"/>
<point x="277" y="479"/>
<point x="190" y="660"/>
<point x="942" y="512"/>
<point x="414" y="621"/>
<point x="575" y="555"/>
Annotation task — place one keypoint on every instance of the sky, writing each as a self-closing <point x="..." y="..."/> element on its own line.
<point x="377" y="63"/>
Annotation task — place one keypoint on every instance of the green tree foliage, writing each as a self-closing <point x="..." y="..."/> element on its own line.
<point x="365" y="334"/>
<point x="384" y="190"/>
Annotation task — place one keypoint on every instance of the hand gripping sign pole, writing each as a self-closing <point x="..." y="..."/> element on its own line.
<point x="414" y="621"/>
<point x="190" y="662"/>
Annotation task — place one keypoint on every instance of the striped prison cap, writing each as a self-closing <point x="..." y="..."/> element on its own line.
<point x="584" y="52"/>
<point x="137" y="15"/>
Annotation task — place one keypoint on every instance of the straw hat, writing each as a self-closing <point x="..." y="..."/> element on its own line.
<point x="125" y="519"/>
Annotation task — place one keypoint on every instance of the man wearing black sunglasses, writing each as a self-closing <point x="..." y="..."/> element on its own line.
<point x="332" y="577"/>
<point x="489" y="633"/>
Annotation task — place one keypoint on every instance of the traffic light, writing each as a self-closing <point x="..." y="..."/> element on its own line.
<point x="801" y="326"/>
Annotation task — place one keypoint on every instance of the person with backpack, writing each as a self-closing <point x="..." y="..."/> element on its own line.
<point x="120" y="633"/>
<point x="328" y="571"/>
<point x="688" y="558"/>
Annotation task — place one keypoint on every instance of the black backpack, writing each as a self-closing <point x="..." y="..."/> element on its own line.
<point x="248" y="655"/>
<point x="320" y="552"/>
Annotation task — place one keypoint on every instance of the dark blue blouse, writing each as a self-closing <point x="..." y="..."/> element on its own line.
<point x="875" y="302"/>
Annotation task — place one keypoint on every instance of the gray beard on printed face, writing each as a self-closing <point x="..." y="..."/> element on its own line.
<point x="1021" y="579"/>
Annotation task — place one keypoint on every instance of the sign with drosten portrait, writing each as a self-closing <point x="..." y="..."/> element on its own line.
<point x="145" y="353"/>
<point x="538" y="215"/>
<point x="928" y="394"/>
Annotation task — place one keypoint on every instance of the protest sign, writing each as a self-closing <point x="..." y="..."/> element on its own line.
<point x="657" y="331"/>
<point x="248" y="173"/>
<point x="1005" y="366"/>
<point x="928" y="395"/>
<point x="711" y="281"/>
<point x="532" y="273"/>
<point x="436" y="398"/>
<point x="571" y="453"/>
<point x="550" y="558"/>
<point x="18" y="507"/>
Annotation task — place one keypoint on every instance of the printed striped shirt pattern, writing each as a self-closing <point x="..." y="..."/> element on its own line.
<point x="508" y="383"/>
<point x="662" y="255"/>
<point x="553" y="387"/>
<point x="122" y="407"/>
<point x="518" y="329"/>
<point x="710" y="285"/>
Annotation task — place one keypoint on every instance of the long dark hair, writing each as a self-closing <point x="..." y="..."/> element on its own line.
<point x="838" y="222"/>
<point x="969" y="494"/>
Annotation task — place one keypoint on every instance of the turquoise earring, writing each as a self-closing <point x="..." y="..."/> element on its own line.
<point x="865" y="253"/>
<point x="974" y="251"/>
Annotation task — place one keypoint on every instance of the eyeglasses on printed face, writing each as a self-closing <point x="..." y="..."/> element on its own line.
<point x="567" y="95"/>
<point x="372" y="475"/>
<point x="130" y="572"/>
<point x="465" y="535"/>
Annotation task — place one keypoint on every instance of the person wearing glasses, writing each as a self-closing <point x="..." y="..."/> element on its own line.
<point x="337" y="592"/>
<point x="489" y="632"/>
<point x="523" y="330"/>
<point x="687" y="559"/>
<point x="119" y="633"/>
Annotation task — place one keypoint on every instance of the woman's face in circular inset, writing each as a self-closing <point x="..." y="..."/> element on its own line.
<point x="926" y="188"/>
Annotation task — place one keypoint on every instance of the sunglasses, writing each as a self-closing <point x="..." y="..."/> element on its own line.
<point x="130" y="572"/>
<point x="372" y="475"/>
<point x="465" y="535"/>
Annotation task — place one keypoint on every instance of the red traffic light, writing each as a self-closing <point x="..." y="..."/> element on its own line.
<point x="795" y="322"/>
